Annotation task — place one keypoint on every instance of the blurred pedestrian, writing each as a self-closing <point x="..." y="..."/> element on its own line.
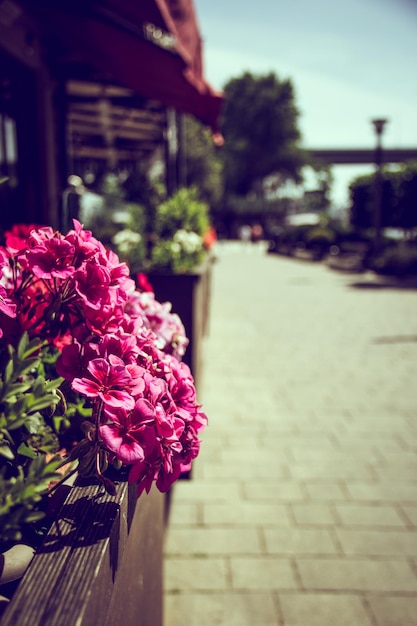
<point x="257" y="233"/>
<point x="245" y="233"/>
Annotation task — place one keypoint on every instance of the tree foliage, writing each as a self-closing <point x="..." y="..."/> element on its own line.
<point x="259" y="124"/>
<point x="399" y="198"/>
<point x="203" y="168"/>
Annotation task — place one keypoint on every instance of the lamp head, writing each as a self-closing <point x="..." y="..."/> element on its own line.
<point x="379" y="125"/>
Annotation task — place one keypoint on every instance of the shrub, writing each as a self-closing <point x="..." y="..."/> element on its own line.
<point x="395" y="260"/>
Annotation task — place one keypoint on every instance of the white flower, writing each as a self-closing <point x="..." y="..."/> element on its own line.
<point x="190" y="242"/>
<point x="126" y="239"/>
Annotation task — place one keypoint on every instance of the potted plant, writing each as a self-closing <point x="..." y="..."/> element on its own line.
<point x="91" y="376"/>
<point x="180" y="265"/>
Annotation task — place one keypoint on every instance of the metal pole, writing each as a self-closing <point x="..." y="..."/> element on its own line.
<point x="379" y="127"/>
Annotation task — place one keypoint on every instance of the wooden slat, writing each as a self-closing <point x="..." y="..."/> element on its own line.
<point x="91" y="565"/>
<point x="105" y="154"/>
<point x="81" y="124"/>
<point x="157" y="116"/>
<point x="128" y="121"/>
<point x="96" y="90"/>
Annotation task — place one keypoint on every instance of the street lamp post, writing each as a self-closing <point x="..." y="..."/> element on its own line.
<point x="379" y="128"/>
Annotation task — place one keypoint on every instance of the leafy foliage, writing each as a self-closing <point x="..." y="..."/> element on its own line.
<point x="399" y="198"/>
<point x="179" y="227"/>
<point x="29" y="409"/>
<point x="184" y="211"/>
<point x="396" y="259"/>
<point x="203" y="163"/>
<point x="165" y="235"/>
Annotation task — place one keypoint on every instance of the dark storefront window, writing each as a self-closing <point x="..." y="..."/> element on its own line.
<point x="19" y="152"/>
<point x="8" y="145"/>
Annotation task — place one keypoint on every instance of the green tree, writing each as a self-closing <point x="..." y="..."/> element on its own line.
<point x="259" y="125"/>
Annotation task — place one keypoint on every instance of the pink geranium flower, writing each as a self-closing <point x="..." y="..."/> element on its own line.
<point x="92" y="283"/>
<point x="130" y="435"/>
<point x="52" y="258"/>
<point x="109" y="381"/>
<point x="16" y="237"/>
<point x="7" y="306"/>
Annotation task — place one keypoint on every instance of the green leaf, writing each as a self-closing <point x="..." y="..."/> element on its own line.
<point x="33" y="347"/>
<point x="50" y="385"/>
<point x="16" y="388"/>
<point x="16" y="421"/>
<point x="38" y="386"/>
<point x="24" y="450"/>
<point x="43" y="402"/>
<point x="6" y="452"/>
<point x="21" y="348"/>
<point x="8" y="371"/>
<point x="26" y="365"/>
<point x="35" y="516"/>
<point x="19" y="405"/>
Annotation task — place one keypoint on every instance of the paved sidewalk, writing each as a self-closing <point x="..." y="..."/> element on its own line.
<point x="302" y="509"/>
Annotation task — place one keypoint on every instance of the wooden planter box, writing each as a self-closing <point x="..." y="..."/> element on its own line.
<point x="190" y="298"/>
<point x="101" y="563"/>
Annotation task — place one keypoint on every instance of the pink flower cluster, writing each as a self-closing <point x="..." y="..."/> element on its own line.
<point x="119" y="348"/>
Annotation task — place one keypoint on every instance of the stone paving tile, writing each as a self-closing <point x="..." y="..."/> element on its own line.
<point x="246" y="513"/>
<point x="277" y="454"/>
<point x="220" y="609"/>
<point x="373" y="516"/>
<point x="319" y="609"/>
<point x="357" y="575"/>
<point x="346" y="469"/>
<point x="374" y="449"/>
<point x="374" y="438"/>
<point x="273" y="491"/>
<point x="394" y="610"/>
<point x="401" y="459"/>
<point x="212" y="541"/>
<point x="308" y="440"/>
<point x="410" y="439"/>
<point x="230" y="469"/>
<point x="197" y="574"/>
<point x="390" y="473"/>
<point x="262" y="573"/>
<point x="304" y="454"/>
<point x="181" y="513"/>
<point x="328" y="490"/>
<point x="378" y="542"/>
<point x="313" y="514"/>
<point x="299" y="541"/>
<point x="395" y="491"/>
<point x="411" y="513"/>
<point x="207" y="491"/>
<point x="379" y="424"/>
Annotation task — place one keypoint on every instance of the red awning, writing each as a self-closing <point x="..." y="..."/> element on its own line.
<point x="150" y="46"/>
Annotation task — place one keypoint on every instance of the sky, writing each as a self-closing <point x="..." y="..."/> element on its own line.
<point x="350" y="61"/>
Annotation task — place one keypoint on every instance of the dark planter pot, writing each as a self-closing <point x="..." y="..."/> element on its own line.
<point x="190" y="298"/>
<point x="100" y="563"/>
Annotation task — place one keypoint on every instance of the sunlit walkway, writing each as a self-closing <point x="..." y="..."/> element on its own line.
<point x="302" y="508"/>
